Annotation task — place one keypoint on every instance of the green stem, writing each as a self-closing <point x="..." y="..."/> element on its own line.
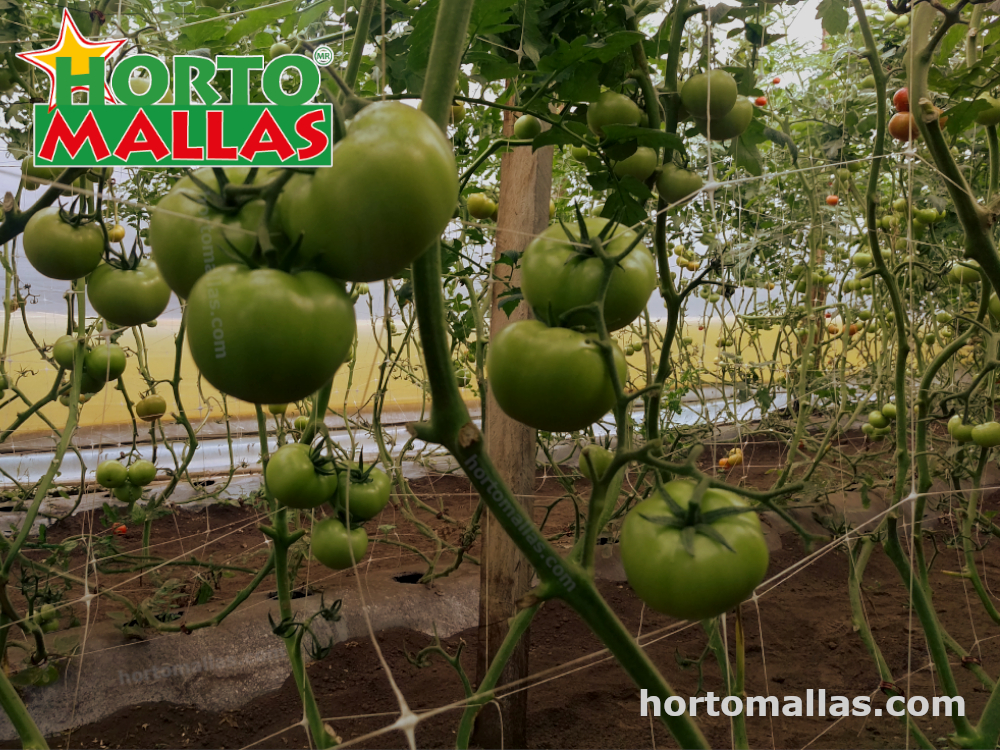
<point x="358" y="45"/>
<point x="17" y="713"/>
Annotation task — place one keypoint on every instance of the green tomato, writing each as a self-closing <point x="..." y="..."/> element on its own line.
<point x="959" y="430"/>
<point x="877" y="419"/>
<point x="580" y="153"/>
<point x="111" y="474"/>
<point x="368" y="496"/>
<point x="640" y="165"/>
<point x="551" y="379"/>
<point x="189" y="238"/>
<point x="277" y="409"/>
<point x="278" y="49"/>
<point x="127" y="493"/>
<point x="151" y="408"/>
<point x="59" y="250"/>
<point x="556" y="277"/>
<point x="986" y="435"/>
<point x="64" y="351"/>
<point x="597" y="456"/>
<point x="889" y="411"/>
<point x="994" y="306"/>
<point x="105" y="362"/>
<point x="333" y="544"/>
<point x="29" y="170"/>
<point x="732" y="125"/>
<point x="480" y="206"/>
<point x="990" y="115"/>
<point x="128" y="297"/>
<point x="964" y="272"/>
<point x="675" y="184"/>
<point x="390" y="193"/>
<point x="141" y="472"/>
<point x="292" y="478"/>
<point x="526" y="127"/>
<point x="612" y="108"/>
<point x="709" y="95"/>
<point x="862" y="260"/>
<point x="266" y="336"/>
<point x="695" y="586"/>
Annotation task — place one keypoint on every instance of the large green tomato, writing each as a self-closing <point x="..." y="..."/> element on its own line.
<point x="59" y="250"/>
<point x="711" y="581"/>
<point x="595" y="456"/>
<point x="390" y="192"/>
<point x="640" y="165"/>
<point x="29" y="170"/>
<point x="675" y="184"/>
<point x="128" y="297"/>
<point x="959" y="430"/>
<point x="294" y="481"/>
<point x="151" y="408"/>
<point x="612" y="108"/>
<point x="986" y="435"/>
<point x="710" y="94"/>
<point x="64" y="351"/>
<point x="128" y="492"/>
<point x="141" y="472"/>
<point x="732" y="125"/>
<point x="267" y="336"/>
<point x="964" y="272"/>
<point x="332" y="544"/>
<point x="111" y="474"/>
<point x="991" y="115"/>
<point x="551" y="379"/>
<point x="556" y="277"/>
<point x="189" y="238"/>
<point x="368" y="495"/>
<point x="526" y="127"/>
<point x="105" y="362"/>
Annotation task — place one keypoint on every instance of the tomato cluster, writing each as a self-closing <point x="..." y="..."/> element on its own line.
<point x="126" y="482"/>
<point x="552" y="373"/>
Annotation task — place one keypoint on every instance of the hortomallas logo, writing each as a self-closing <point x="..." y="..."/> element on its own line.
<point x="183" y="125"/>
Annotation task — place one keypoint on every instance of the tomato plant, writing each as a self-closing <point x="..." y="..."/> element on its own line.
<point x="551" y="378"/>
<point x="301" y="325"/>
<point x="128" y="296"/>
<point x="390" y="192"/>
<point x="363" y="493"/>
<point x="337" y="547"/>
<point x="560" y="273"/>
<point x="712" y="568"/>
<point x="300" y="477"/>
<point x="62" y="247"/>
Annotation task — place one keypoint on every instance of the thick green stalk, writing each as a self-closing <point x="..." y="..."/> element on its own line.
<point x="928" y="621"/>
<point x="283" y="540"/>
<point x="358" y="45"/>
<point x="450" y="425"/>
<point x="15" y="710"/>
<point x="484" y="693"/>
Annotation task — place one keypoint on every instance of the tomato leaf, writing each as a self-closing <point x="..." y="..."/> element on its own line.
<point x="833" y="14"/>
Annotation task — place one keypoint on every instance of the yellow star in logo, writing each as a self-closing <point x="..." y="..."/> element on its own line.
<point x="74" y="45"/>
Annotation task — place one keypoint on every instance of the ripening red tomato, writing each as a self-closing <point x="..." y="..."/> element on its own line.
<point x="761" y="101"/>
<point x="776" y="81"/>
<point x="901" y="100"/>
<point x="903" y="127"/>
<point x="832" y="200"/>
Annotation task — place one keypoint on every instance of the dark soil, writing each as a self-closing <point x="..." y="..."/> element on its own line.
<point x="808" y="642"/>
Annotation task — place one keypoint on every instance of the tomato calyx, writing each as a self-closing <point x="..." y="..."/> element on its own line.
<point x="692" y="521"/>
<point x="359" y="474"/>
